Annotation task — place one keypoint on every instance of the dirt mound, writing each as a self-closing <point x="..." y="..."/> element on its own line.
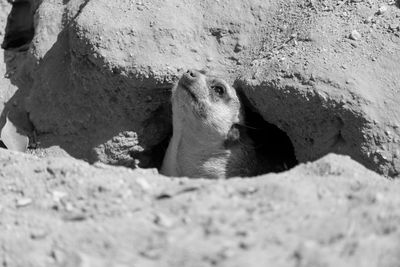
<point x="97" y="76"/>
<point x="320" y="76"/>
<point x="328" y="75"/>
<point x="99" y="88"/>
<point x="63" y="212"/>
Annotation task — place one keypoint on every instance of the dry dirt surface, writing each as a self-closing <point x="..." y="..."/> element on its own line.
<point x="96" y="77"/>
<point x="63" y="212"/>
<point x="92" y="88"/>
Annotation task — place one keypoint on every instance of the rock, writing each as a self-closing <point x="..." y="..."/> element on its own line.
<point x="38" y="234"/>
<point x="163" y="220"/>
<point x="74" y="216"/>
<point x="394" y="27"/>
<point x="333" y="201"/>
<point x="96" y="81"/>
<point x="110" y="77"/>
<point x="355" y="35"/>
<point x="356" y="123"/>
<point x="58" y="195"/>
<point x="382" y="10"/>
<point x="23" y="202"/>
<point x="369" y="19"/>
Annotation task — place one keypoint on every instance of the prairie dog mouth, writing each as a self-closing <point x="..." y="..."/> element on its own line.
<point x="188" y="90"/>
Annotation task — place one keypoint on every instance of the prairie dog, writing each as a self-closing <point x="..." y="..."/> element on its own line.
<point x="209" y="140"/>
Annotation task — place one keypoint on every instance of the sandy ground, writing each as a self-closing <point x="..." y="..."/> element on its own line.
<point x="63" y="212"/>
<point x="95" y="85"/>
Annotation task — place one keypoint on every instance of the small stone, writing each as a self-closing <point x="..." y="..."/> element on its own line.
<point x="74" y="217"/>
<point x="58" y="195"/>
<point x="68" y="206"/>
<point x="382" y="10"/>
<point x="355" y="35"/>
<point x="23" y="202"/>
<point x="354" y="44"/>
<point x="144" y="185"/>
<point x="163" y="220"/>
<point x="39" y="234"/>
<point x="58" y="255"/>
<point x="379" y="197"/>
<point x="394" y="27"/>
<point x="238" y="48"/>
<point x="368" y="20"/>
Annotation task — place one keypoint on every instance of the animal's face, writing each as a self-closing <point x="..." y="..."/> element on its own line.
<point x="209" y="104"/>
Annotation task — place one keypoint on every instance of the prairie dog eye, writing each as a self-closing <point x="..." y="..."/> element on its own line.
<point x="219" y="89"/>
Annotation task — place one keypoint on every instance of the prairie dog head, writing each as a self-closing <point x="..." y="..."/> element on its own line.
<point x="207" y="106"/>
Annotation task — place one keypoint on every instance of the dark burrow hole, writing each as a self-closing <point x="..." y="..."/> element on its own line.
<point x="20" y="29"/>
<point x="271" y="143"/>
<point x="153" y="158"/>
<point x="2" y="145"/>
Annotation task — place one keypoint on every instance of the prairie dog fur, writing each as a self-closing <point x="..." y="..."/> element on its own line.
<point x="209" y="140"/>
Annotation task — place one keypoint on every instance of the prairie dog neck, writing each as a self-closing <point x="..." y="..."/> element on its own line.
<point x="187" y="152"/>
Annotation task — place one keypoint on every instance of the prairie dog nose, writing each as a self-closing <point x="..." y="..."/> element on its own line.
<point x="191" y="75"/>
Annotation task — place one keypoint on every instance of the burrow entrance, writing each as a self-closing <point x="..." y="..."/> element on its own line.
<point x="20" y="26"/>
<point x="271" y="143"/>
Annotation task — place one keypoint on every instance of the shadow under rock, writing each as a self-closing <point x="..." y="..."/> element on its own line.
<point x="71" y="101"/>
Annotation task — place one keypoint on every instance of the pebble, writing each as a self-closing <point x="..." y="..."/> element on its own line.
<point x="382" y="10"/>
<point x="163" y="220"/>
<point x="68" y="206"/>
<point x="58" y="195"/>
<point x="369" y="20"/>
<point x="355" y="35"/>
<point x="354" y="44"/>
<point x="394" y="27"/>
<point x="23" y="202"/>
<point x="144" y="185"/>
<point x="38" y="234"/>
<point x="74" y="217"/>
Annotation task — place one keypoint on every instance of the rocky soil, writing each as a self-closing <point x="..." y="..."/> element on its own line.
<point x="63" y="212"/>
<point x="93" y="87"/>
<point x="96" y="77"/>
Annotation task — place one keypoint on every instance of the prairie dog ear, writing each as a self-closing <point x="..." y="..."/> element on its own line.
<point x="233" y="136"/>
